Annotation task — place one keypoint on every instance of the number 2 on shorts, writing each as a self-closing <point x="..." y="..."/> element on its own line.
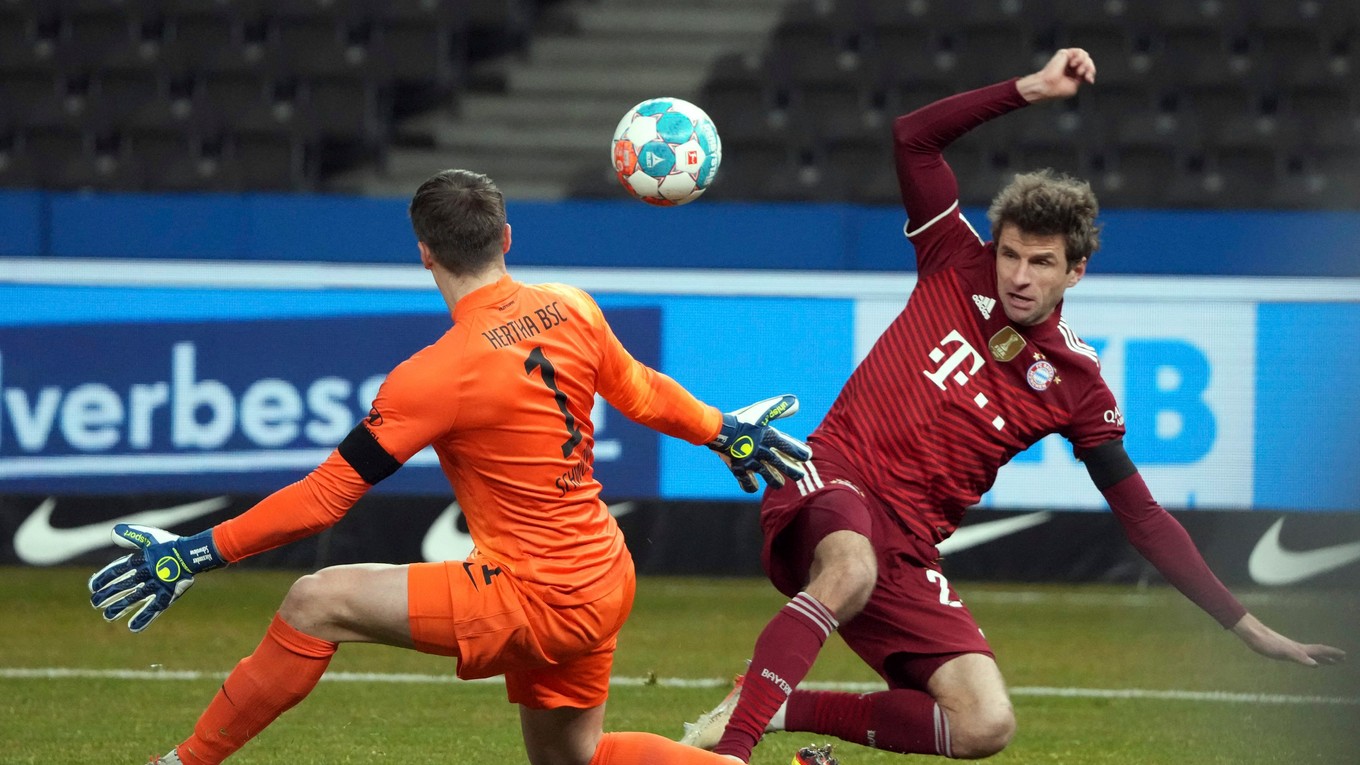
<point x="939" y="579"/>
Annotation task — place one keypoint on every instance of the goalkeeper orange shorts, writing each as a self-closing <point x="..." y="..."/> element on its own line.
<point x="551" y="655"/>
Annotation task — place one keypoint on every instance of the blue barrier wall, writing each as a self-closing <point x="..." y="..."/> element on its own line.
<point x="627" y="234"/>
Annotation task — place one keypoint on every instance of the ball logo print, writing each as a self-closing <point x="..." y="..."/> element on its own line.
<point x="666" y="151"/>
<point x="742" y="447"/>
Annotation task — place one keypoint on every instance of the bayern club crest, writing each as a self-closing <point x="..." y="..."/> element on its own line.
<point x="1040" y="375"/>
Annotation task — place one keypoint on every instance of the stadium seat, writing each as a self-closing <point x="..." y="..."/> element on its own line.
<point x="31" y="43"/>
<point x="746" y="165"/>
<point x="61" y="151"/>
<point x="1135" y="176"/>
<point x="1334" y="132"/>
<point x="179" y="162"/>
<point x="344" y="108"/>
<point x="828" y="63"/>
<point x="496" y="27"/>
<point x="1094" y="16"/>
<point x="861" y="169"/>
<point x="18" y="167"/>
<point x="1341" y="170"/>
<point x="214" y="44"/>
<point x="1288" y="18"/>
<point x="412" y="10"/>
<point x="92" y="39"/>
<point x="313" y="10"/>
<point x="134" y="98"/>
<point x="1189" y="19"/>
<point x="308" y="48"/>
<point x="241" y="103"/>
<point x="909" y="67"/>
<point x="419" y="50"/>
<point x="1249" y="175"/>
<point x="269" y="162"/>
<point x="832" y="113"/>
<point x="63" y="100"/>
<point x="1300" y="185"/>
<point x="1263" y="126"/>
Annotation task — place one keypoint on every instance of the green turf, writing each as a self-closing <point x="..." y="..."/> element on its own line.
<point x="1071" y="637"/>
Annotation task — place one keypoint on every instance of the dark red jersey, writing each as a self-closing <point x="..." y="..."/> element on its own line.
<point x="953" y="390"/>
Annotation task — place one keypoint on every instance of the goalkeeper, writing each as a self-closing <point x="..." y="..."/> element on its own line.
<point x="505" y="398"/>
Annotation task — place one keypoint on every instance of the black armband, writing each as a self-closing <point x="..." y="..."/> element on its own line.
<point x="1108" y="464"/>
<point x="368" y="458"/>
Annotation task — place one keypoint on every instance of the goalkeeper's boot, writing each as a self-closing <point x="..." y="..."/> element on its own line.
<point x="705" y="732"/>
<point x="815" y="755"/>
<point x="170" y="759"/>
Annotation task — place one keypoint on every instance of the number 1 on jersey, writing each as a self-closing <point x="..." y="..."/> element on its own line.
<point x="537" y="360"/>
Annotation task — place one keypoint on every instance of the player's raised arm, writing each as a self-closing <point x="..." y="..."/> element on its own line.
<point x="929" y="188"/>
<point x="1162" y="540"/>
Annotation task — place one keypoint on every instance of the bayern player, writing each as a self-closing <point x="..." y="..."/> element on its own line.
<point x="504" y="397"/>
<point x="979" y="366"/>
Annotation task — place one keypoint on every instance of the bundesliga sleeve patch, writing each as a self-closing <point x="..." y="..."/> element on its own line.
<point x="368" y="458"/>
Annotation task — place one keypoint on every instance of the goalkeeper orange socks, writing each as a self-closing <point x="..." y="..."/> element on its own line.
<point x="650" y="749"/>
<point x="282" y="671"/>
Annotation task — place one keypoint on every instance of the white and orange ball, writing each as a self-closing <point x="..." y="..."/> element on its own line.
<point x="666" y="151"/>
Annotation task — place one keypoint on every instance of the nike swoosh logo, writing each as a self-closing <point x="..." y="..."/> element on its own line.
<point x="1271" y="564"/>
<point x="443" y="541"/>
<point x="38" y="543"/>
<point x="989" y="531"/>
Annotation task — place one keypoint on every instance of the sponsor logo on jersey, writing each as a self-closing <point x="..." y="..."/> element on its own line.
<point x="1041" y="374"/>
<point x="1006" y="344"/>
<point x="985" y="305"/>
<point x="951" y="367"/>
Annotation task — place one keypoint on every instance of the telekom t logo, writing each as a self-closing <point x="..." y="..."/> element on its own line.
<point x="963" y="354"/>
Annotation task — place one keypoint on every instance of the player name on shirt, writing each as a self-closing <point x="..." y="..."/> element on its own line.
<point x="526" y="326"/>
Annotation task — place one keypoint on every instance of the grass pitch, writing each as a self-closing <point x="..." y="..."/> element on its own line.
<point x="1067" y="653"/>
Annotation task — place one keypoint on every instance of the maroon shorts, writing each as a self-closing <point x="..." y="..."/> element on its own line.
<point x="914" y="621"/>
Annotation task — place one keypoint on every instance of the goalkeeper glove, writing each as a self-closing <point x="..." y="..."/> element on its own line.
<point x="749" y="445"/>
<point x="161" y="570"/>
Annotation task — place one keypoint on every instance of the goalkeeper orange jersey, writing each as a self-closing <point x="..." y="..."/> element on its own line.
<point x="505" y="398"/>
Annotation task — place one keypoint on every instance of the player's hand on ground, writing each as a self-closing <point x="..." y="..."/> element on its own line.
<point x="160" y="570"/>
<point x="1272" y="644"/>
<point x="750" y="445"/>
<point x="1061" y="77"/>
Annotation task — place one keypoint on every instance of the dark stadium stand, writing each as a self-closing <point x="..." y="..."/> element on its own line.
<point x="1203" y="103"/>
<point x="146" y="95"/>
<point x="1198" y="104"/>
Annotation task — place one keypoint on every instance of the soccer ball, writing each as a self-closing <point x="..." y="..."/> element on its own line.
<point x="666" y="151"/>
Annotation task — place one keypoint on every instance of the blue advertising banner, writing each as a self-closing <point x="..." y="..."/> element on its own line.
<point x="140" y="377"/>
<point x="245" y="405"/>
